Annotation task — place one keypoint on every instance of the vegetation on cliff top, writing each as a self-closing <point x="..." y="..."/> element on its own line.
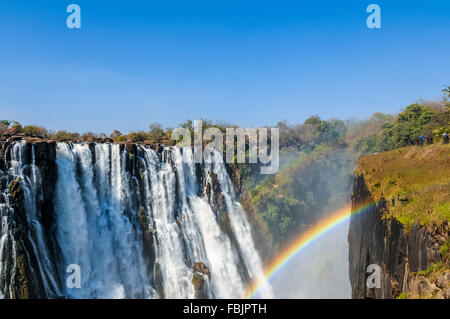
<point x="429" y="120"/>
<point x="415" y="182"/>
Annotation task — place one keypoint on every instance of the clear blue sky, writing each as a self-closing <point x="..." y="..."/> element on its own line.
<point x="247" y="62"/>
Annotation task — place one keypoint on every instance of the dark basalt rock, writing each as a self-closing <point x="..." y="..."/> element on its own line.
<point x="214" y="193"/>
<point x="131" y="148"/>
<point x="148" y="242"/>
<point x="16" y="191"/>
<point x="236" y="178"/>
<point x="375" y="239"/>
<point x="14" y="138"/>
<point x="23" y="279"/>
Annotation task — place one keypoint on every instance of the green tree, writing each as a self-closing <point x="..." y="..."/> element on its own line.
<point x="313" y="120"/>
<point x="407" y="128"/>
<point x="446" y="90"/>
<point x="188" y="124"/>
<point x="5" y="123"/>
<point x="137" y="136"/>
<point x="115" y="135"/>
<point x="156" y="132"/>
<point x="65" y="136"/>
<point x="33" y="130"/>
<point x="4" y="126"/>
<point x="16" y="127"/>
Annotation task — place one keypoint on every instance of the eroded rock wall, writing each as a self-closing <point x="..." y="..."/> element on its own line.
<point x="375" y="239"/>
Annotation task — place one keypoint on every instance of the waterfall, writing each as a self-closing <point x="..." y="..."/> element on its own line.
<point x="239" y="223"/>
<point x="214" y="246"/>
<point x="93" y="229"/>
<point x="4" y="237"/>
<point x="24" y="172"/>
<point x="137" y="222"/>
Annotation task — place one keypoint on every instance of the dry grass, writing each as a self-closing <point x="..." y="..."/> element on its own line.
<point x="414" y="180"/>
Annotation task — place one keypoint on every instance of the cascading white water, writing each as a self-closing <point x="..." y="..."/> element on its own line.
<point x="160" y="185"/>
<point x="93" y="230"/>
<point x="226" y="280"/>
<point x="32" y="189"/>
<point x="5" y="239"/>
<point x="27" y="174"/>
<point x="4" y="233"/>
<point x="136" y="224"/>
<point x="239" y="223"/>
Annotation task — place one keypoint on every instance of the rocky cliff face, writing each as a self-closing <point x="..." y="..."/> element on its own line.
<point x="403" y="256"/>
<point x="21" y="270"/>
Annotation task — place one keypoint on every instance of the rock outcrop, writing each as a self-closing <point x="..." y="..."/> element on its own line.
<point x="200" y="280"/>
<point x="402" y="255"/>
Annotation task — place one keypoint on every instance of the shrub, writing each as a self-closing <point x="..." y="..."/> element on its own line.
<point x="16" y="127"/>
<point x="431" y="269"/>
<point x="4" y="126"/>
<point x="32" y="130"/>
<point x="156" y="132"/>
<point x="137" y="136"/>
<point x="115" y="135"/>
<point x="417" y="120"/>
<point x="121" y="138"/>
<point x="403" y="295"/>
<point x="65" y="136"/>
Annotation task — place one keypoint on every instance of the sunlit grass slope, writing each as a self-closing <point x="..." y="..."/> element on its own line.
<point x="415" y="182"/>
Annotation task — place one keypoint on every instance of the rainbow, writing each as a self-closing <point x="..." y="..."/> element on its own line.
<point x="302" y="242"/>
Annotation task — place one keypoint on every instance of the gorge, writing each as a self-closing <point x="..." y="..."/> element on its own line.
<point x="146" y="222"/>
